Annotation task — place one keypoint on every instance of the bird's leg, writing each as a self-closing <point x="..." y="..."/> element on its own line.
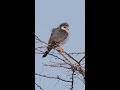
<point x="61" y="50"/>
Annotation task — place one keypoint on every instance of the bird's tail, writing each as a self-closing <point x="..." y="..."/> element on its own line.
<point x="46" y="53"/>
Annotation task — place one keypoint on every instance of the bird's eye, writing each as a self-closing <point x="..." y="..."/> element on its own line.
<point x="64" y="27"/>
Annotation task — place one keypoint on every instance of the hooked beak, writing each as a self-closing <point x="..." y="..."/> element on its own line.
<point x="67" y="28"/>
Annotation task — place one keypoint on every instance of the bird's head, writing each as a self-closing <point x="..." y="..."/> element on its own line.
<point x="64" y="26"/>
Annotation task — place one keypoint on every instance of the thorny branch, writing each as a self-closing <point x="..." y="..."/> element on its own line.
<point x="68" y="62"/>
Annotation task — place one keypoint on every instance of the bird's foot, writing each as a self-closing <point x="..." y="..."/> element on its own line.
<point x="61" y="50"/>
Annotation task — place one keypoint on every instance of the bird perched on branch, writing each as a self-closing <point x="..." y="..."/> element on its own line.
<point x="58" y="37"/>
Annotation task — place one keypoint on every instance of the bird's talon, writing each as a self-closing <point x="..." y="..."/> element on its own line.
<point x="61" y="51"/>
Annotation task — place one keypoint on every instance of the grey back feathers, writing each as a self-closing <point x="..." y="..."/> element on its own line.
<point x="58" y="35"/>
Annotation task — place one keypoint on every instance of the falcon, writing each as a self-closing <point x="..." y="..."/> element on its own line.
<point x="58" y="37"/>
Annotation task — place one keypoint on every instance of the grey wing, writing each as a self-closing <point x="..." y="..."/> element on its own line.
<point x="58" y="36"/>
<point x="51" y="37"/>
<point x="65" y="40"/>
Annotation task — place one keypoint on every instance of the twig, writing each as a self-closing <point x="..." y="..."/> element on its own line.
<point x="53" y="77"/>
<point x="38" y="86"/>
<point x="81" y="59"/>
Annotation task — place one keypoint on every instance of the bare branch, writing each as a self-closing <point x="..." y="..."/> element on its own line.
<point x="71" y="57"/>
<point x="72" y="80"/>
<point x="81" y="59"/>
<point x="53" y="77"/>
<point x="38" y="86"/>
<point x="68" y="62"/>
<point x="57" y="66"/>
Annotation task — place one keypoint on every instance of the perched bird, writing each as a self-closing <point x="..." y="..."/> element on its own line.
<point x="58" y="37"/>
